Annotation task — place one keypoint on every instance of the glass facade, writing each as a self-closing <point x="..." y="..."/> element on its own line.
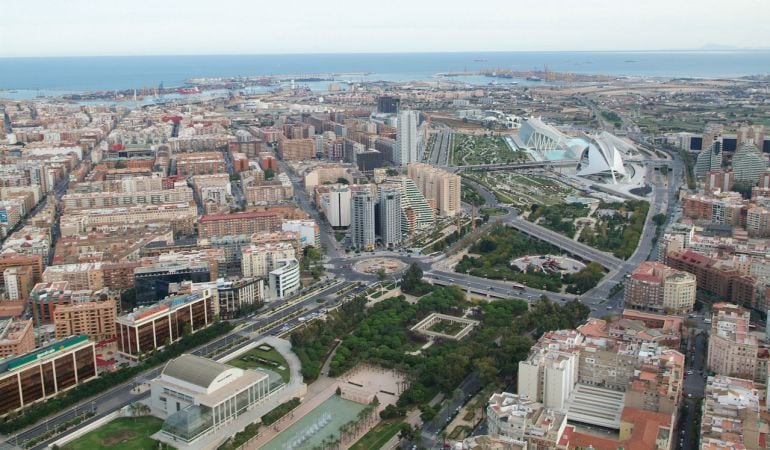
<point x="195" y="420"/>
<point x="146" y="338"/>
<point x="31" y="385"/>
<point x="84" y="362"/>
<point x="189" y="423"/>
<point x="39" y="379"/>
<point x="167" y="328"/>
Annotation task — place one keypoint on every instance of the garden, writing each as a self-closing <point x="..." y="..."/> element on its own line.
<point x="471" y="149"/>
<point x="263" y="357"/>
<point x="124" y="433"/>
<point x="491" y="258"/>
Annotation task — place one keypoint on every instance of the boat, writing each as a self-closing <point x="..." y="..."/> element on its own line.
<point x="533" y="78"/>
<point x="192" y="90"/>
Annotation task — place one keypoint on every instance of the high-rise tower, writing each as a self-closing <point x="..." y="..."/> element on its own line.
<point x="362" y="220"/>
<point x="406" y="138"/>
<point x="390" y="217"/>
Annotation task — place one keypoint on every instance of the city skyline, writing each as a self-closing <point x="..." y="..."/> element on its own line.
<point x="42" y="28"/>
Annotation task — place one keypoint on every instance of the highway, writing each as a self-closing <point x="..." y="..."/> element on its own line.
<point x="570" y="246"/>
<point x="121" y="395"/>
<point x="442" y="146"/>
<point x="285" y="315"/>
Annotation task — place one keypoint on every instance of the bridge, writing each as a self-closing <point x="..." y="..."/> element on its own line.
<point x="568" y="245"/>
<point x="515" y="166"/>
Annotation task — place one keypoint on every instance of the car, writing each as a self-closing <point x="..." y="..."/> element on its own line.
<point x="689" y="372"/>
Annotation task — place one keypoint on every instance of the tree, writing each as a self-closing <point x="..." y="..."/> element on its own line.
<point x="269" y="174"/>
<point x="407" y="432"/>
<point x="342" y="180"/>
<point x="659" y="219"/>
<point x="412" y="279"/>
<point x="382" y="275"/>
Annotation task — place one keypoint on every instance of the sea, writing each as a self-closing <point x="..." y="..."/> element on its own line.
<point x="39" y="77"/>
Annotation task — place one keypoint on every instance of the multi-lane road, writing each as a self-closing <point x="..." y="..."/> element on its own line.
<point x="442" y="147"/>
<point x="276" y="317"/>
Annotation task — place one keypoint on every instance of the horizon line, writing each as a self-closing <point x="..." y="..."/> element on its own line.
<point x="129" y="55"/>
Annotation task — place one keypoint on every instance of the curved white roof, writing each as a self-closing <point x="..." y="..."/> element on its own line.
<point x="604" y="158"/>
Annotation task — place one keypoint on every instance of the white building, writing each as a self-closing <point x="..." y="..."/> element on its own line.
<point x="336" y="206"/>
<point x="259" y="260"/>
<point x="548" y="376"/>
<point x="196" y="396"/>
<point x="309" y="233"/>
<point x="284" y="281"/>
<point x="518" y="420"/>
<point x="406" y="138"/>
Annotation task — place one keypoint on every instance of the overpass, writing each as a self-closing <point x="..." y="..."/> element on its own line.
<point x="568" y="245"/>
<point x="514" y="166"/>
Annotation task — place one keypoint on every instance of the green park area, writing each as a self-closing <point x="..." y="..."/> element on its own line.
<point x="263" y="357"/>
<point x="470" y="196"/>
<point x="126" y="433"/>
<point x="491" y="257"/>
<point x="471" y="149"/>
<point x="617" y="232"/>
<point x="378" y="436"/>
<point x="559" y="218"/>
<point x="381" y="335"/>
<point x="523" y="190"/>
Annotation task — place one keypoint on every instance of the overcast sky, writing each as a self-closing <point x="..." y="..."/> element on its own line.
<point x="151" y="27"/>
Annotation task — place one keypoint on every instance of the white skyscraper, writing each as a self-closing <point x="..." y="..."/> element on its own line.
<point x="406" y="138"/>
<point x="390" y="217"/>
<point x="362" y="220"/>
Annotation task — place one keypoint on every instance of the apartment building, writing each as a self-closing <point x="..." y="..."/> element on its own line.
<point x="18" y="282"/>
<point x="200" y="163"/>
<point x="13" y="259"/>
<point x="258" y="260"/>
<point x="733" y="349"/>
<point x="95" y="319"/>
<point x="246" y="223"/>
<point x="732" y="414"/>
<point x="656" y="287"/>
<point x="514" y="418"/>
<point x="439" y="185"/>
<point x="266" y="192"/>
<point x="295" y="149"/>
<point x="78" y="276"/>
<point x="95" y="200"/>
<point x="17" y="337"/>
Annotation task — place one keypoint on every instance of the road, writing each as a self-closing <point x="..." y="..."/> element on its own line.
<point x="465" y="391"/>
<point x="442" y="145"/>
<point x="236" y="187"/>
<point x="328" y="241"/>
<point x="514" y="166"/>
<point x="694" y="386"/>
<point x="121" y="395"/>
<point x="569" y="246"/>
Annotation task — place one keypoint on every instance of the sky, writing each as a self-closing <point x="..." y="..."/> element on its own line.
<point x="163" y="27"/>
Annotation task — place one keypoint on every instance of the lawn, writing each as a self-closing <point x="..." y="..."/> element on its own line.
<point x="524" y="190"/>
<point x="126" y="433"/>
<point x="470" y="149"/>
<point x="257" y="358"/>
<point x="447" y="327"/>
<point x="378" y="436"/>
